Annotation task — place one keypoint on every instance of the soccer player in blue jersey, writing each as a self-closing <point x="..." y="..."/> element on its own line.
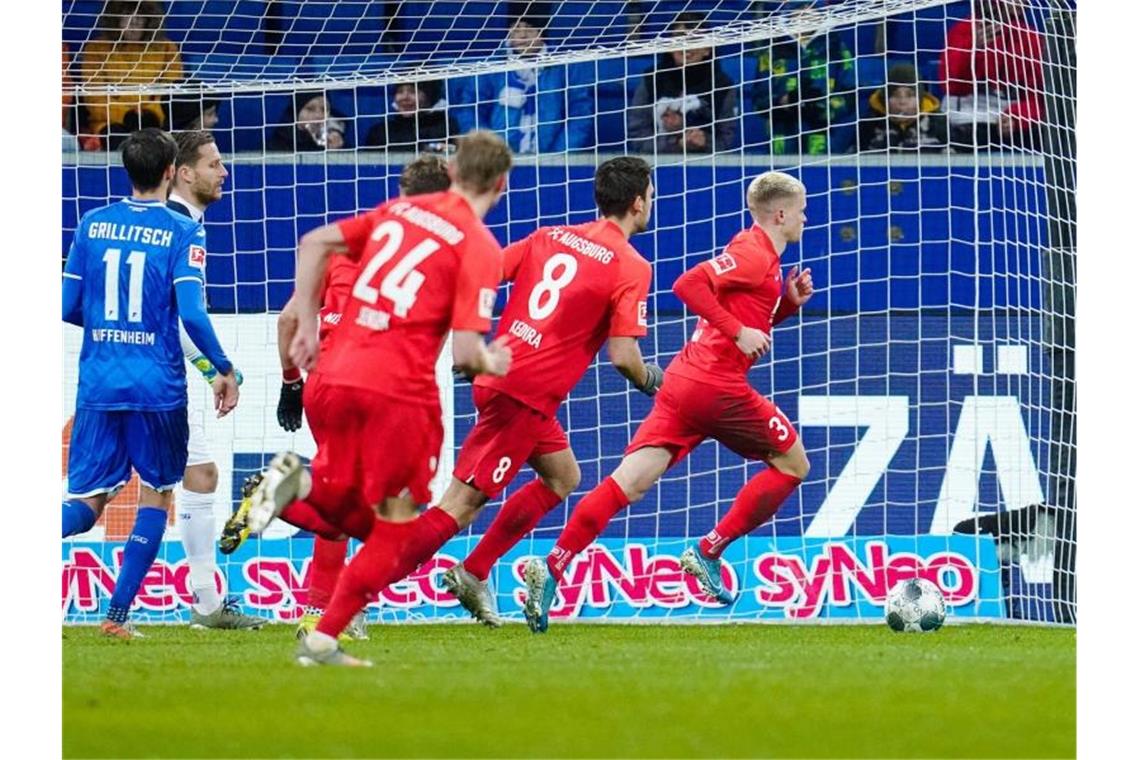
<point x="135" y="267"/>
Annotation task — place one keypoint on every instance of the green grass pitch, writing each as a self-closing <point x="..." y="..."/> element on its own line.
<point x="578" y="691"/>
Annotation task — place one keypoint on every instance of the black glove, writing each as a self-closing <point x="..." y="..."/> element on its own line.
<point x="289" y="406"/>
<point x="653" y="377"/>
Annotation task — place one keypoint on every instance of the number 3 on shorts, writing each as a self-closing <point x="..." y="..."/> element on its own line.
<point x="500" y="472"/>
<point x="777" y="424"/>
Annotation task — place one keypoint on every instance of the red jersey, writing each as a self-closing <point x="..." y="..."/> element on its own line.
<point x="747" y="283"/>
<point x="574" y="287"/>
<point x="339" y="279"/>
<point x="427" y="265"/>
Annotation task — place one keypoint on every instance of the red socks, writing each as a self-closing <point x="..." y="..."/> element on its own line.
<point x="588" y="520"/>
<point x="390" y="553"/>
<point x="518" y="516"/>
<point x="325" y="569"/>
<point x="753" y="506"/>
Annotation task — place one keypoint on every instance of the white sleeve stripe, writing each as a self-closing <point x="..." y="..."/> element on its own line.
<point x="187" y="279"/>
<point x="71" y="276"/>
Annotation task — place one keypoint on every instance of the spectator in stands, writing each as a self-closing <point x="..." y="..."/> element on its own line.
<point x="70" y="144"/>
<point x="420" y="121"/>
<point x="806" y="88"/>
<point x="311" y="124"/>
<point x="537" y="109"/>
<point x="193" y="112"/>
<point x="992" y="67"/>
<point x="687" y="105"/>
<point x="130" y="49"/>
<point x="905" y="116"/>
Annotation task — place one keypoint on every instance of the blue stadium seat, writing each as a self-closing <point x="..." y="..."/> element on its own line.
<point x="446" y="30"/>
<point x="578" y="24"/>
<point x="80" y="18"/>
<point x="755" y="137"/>
<point x="249" y="67"/>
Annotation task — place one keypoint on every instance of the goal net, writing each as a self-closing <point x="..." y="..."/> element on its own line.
<point x="930" y="377"/>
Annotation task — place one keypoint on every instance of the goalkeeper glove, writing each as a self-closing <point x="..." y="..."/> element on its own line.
<point x="208" y="370"/>
<point x="653" y="377"/>
<point x="289" y="405"/>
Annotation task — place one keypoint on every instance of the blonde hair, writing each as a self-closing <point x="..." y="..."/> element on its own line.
<point x="770" y="188"/>
<point x="482" y="158"/>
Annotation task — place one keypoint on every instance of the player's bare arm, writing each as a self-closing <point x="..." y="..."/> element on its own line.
<point x="626" y="357"/>
<point x="474" y="357"/>
<point x="289" y="406"/>
<point x="286" y="329"/>
<point x="312" y="261"/>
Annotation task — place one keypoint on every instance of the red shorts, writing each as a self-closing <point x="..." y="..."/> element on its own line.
<point x="370" y="447"/>
<point x="507" y="434"/>
<point x="686" y="412"/>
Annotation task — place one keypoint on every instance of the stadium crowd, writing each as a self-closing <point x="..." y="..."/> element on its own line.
<point x="814" y="93"/>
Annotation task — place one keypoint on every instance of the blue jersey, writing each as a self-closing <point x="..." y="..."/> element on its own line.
<point x="128" y="257"/>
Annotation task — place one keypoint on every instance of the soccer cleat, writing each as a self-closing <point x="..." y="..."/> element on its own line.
<point x="307" y="657"/>
<point x="473" y="594"/>
<point x="125" y="631"/>
<point x="356" y="630"/>
<point x="227" y="617"/>
<point x="236" y="530"/>
<point x="282" y="482"/>
<point x="540" y="588"/>
<point x="707" y="573"/>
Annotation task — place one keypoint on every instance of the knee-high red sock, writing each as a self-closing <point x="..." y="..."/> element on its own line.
<point x="391" y="552"/>
<point x="587" y="521"/>
<point x="518" y="516"/>
<point x="306" y="517"/>
<point x="327" y="564"/>
<point x="753" y="506"/>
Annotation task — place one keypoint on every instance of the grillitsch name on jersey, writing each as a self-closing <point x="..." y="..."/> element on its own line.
<point x="130" y="233"/>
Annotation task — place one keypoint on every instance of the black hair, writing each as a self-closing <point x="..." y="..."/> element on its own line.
<point x="619" y="182"/>
<point x="147" y="154"/>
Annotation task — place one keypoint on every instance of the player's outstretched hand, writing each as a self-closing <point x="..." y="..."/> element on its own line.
<point x="752" y="342"/>
<point x="498" y="357"/>
<point x="225" y="393"/>
<point x="304" y="346"/>
<point x="798" y="286"/>
<point x="289" y="408"/>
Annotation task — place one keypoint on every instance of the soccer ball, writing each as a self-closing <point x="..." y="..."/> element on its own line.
<point x="915" y="605"/>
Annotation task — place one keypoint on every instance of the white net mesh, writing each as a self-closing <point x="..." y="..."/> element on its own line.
<point x="930" y="376"/>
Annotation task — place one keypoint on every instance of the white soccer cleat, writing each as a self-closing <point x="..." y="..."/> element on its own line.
<point x="284" y="481"/>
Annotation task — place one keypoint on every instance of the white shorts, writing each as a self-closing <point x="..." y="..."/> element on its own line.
<point x="198" y="450"/>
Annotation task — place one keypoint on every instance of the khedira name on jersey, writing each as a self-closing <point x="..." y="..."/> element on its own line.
<point x="526" y="333"/>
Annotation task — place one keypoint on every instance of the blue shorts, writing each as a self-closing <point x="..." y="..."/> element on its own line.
<point x="106" y="445"/>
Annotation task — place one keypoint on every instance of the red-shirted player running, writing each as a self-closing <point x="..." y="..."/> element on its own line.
<point x="574" y="287"/>
<point x="738" y="296"/>
<point x="425" y="174"/>
<point x="428" y="265"/>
